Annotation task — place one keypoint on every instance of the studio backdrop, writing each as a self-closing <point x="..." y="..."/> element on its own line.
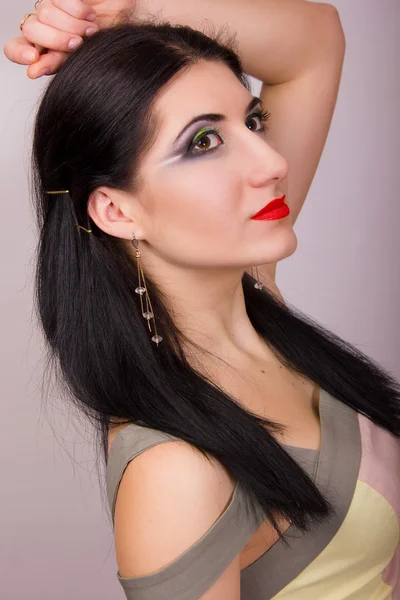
<point x="55" y="539"/>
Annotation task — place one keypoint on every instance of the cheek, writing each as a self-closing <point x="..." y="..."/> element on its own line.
<point x="197" y="196"/>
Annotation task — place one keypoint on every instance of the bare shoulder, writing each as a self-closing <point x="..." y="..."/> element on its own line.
<point x="168" y="498"/>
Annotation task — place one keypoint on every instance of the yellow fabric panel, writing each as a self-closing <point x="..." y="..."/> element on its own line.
<point x="350" y="566"/>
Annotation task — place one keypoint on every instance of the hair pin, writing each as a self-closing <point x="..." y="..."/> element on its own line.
<point x="59" y="192"/>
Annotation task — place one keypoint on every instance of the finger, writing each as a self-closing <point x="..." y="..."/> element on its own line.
<point x="49" y="37"/>
<point x="49" y="14"/>
<point x="16" y="48"/>
<point x="48" y="64"/>
<point x="40" y="48"/>
<point x="75" y="8"/>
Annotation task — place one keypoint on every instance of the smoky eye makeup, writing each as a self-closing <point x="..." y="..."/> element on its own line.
<point x="193" y="136"/>
<point x="204" y="135"/>
<point x="205" y="132"/>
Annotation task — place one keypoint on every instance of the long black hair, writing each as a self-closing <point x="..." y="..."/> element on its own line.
<point x="93" y="126"/>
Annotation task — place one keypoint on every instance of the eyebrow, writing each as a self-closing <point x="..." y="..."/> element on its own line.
<point x="215" y="117"/>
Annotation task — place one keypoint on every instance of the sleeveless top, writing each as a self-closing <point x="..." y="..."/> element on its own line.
<point x="353" y="556"/>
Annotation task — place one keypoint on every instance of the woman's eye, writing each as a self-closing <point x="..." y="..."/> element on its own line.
<point x="263" y="116"/>
<point x="253" y="117"/>
<point x="202" y="140"/>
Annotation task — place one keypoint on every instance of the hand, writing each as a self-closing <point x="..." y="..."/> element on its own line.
<point x="46" y="34"/>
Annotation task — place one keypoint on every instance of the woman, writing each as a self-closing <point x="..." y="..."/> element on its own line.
<point x="266" y="448"/>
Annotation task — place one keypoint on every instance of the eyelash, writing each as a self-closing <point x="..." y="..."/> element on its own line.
<point x="263" y="115"/>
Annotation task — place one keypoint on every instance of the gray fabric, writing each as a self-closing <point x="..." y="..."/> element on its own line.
<point x="334" y="469"/>
<point x="336" y="476"/>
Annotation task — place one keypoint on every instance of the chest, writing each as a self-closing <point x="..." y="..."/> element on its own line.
<point x="269" y="390"/>
<point x="297" y="409"/>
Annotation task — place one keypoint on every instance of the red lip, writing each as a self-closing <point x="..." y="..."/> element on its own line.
<point x="270" y="206"/>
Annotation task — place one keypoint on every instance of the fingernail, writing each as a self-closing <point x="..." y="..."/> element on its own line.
<point x="91" y="30"/>
<point x="28" y="55"/>
<point x="91" y="17"/>
<point x="42" y="72"/>
<point x="74" y="43"/>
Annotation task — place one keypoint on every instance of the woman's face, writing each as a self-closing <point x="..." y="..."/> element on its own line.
<point x="200" y="192"/>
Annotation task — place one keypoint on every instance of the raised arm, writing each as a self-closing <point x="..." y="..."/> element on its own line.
<point x="301" y="70"/>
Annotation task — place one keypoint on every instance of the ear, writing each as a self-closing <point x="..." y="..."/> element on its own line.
<point x="116" y="212"/>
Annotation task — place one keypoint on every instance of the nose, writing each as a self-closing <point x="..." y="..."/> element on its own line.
<point x="266" y="164"/>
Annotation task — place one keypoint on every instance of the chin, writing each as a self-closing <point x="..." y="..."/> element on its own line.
<point x="292" y="242"/>
<point x="283" y="245"/>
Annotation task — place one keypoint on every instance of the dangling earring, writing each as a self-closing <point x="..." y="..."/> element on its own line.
<point x="258" y="284"/>
<point x="142" y="289"/>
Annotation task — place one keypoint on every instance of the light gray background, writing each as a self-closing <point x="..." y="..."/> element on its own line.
<point x="55" y="540"/>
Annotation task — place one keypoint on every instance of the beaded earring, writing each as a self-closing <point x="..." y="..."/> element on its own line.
<point x="258" y="284"/>
<point x="142" y="289"/>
